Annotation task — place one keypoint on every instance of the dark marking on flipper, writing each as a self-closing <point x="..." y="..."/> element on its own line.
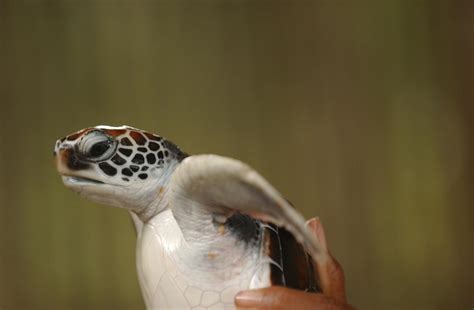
<point x="244" y="227"/>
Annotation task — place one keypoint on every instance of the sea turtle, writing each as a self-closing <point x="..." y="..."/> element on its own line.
<point x="207" y="226"/>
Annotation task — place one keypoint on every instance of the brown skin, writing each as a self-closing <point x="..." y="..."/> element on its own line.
<point x="276" y="297"/>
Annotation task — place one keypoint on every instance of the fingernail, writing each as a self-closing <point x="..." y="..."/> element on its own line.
<point x="248" y="298"/>
<point x="313" y="224"/>
<point x="317" y="229"/>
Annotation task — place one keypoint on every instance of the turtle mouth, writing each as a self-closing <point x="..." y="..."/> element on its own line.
<point x="74" y="180"/>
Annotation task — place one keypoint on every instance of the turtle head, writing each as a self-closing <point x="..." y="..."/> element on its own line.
<point x="117" y="166"/>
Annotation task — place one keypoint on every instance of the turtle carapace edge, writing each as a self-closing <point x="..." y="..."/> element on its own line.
<point x="207" y="226"/>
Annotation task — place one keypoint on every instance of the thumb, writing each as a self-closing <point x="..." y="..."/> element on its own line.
<point x="277" y="297"/>
<point x="330" y="272"/>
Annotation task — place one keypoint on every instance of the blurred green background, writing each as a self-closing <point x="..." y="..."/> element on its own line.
<point x="361" y="113"/>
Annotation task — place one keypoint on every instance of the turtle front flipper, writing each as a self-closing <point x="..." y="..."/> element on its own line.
<point x="223" y="186"/>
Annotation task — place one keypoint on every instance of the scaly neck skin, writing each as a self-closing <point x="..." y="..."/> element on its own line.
<point x="156" y="202"/>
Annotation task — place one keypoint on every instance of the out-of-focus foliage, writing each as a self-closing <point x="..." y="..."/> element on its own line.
<point x="359" y="112"/>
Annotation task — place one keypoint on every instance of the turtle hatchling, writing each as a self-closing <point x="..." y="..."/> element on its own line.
<point x="207" y="226"/>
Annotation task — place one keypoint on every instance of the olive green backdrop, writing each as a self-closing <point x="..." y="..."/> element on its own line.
<point x="359" y="112"/>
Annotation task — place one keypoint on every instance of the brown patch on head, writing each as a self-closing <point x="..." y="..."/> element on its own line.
<point x="77" y="134"/>
<point x="152" y="136"/>
<point x="115" y="132"/>
<point x="138" y="137"/>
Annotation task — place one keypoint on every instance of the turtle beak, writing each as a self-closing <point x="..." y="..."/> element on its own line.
<point x="61" y="157"/>
<point x="73" y="171"/>
<point x="61" y="154"/>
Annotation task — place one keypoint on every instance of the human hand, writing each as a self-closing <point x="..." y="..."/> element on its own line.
<point x="331" y="277"/>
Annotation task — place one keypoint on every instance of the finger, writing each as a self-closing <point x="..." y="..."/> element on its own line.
<point x="335" y="283"/>
<point x="277" y="297"/>
<point x="330" y="272"/>
<point x="316" y="227"/>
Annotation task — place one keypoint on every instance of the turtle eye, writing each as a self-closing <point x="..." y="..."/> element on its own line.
<point x="99" y="148"/>
<point x="96" y="146"/>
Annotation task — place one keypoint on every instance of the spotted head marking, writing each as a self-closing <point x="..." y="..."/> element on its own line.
<point x="115" y="163"/>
